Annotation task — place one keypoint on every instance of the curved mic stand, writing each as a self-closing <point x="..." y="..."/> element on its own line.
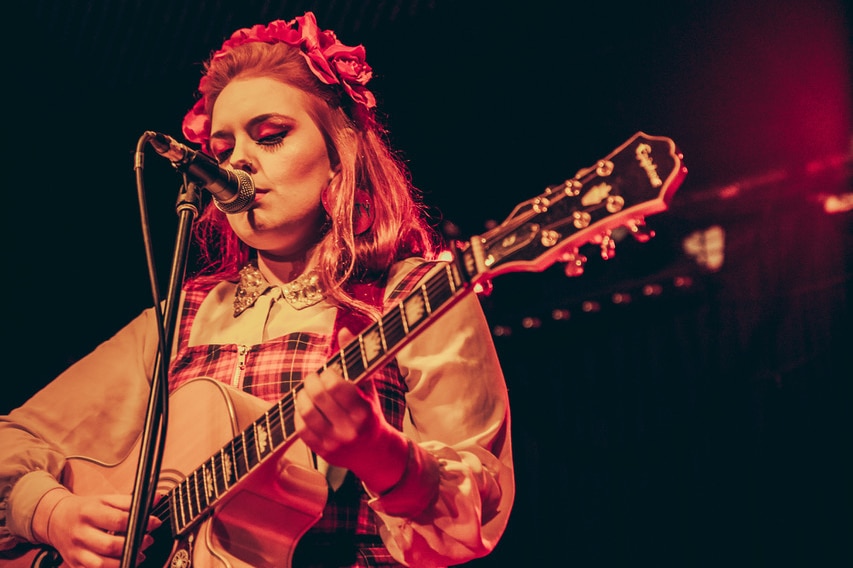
<point x="154" y="433"/>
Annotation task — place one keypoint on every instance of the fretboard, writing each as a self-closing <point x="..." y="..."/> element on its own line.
<point x="194" y="497"/>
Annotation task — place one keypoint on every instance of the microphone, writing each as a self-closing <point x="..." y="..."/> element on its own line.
<point x="233" y="190"/>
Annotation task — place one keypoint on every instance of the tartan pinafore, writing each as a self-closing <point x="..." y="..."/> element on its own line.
<point x="348" y="533"/>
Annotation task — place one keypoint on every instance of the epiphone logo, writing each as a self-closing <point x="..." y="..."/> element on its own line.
<point x="644" y="157"/>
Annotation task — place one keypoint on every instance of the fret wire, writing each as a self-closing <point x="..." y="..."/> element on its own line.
<point x="246" y="449"/>
<point x="198" y="475"/>
<point x="403" y="318"/>
<point x="236" y="445"/>
<point x="245" y="453"/>
<point x="190" y="514"/>
<point x="173" y="499"/>
<point x="262" y="438"/>
<point x="180" y="509"/>
<point x="213" y="490"/>
<point x="236" y="449"/>
<point x="448" y="270"/>
<point x="189" y="499"/>
<point x="205" y="480"/>
<point x="199" y="506"/>
<point x="425" y="295"/>
<point x="381" y="328"/>
<point x="252" y="447"/>
<point x="202" y="488"/>
<point x="189" y="490"/>
<point x="269" y="430"/>
<point x="176" y="523"/>
<point x="344" y="370"/>
<point x="256" y="441"/>
<point x="226" y="461"/>
<point x="225" y="472"/>
<point x="362" y="350"/>
<point x="214" y="468"/>
<point x="209" y="485"/>
<point x="186" y="507"/>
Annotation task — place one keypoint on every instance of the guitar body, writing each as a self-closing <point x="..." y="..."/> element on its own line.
<point x="260" y="520"/>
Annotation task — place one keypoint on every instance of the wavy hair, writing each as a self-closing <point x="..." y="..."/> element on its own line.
<point x="358" y="146"/>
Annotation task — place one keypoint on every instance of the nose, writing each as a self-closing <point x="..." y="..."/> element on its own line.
<point x="242" y="158"/>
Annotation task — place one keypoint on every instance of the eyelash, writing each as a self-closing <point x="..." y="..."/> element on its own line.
<point x="270" y="143"/>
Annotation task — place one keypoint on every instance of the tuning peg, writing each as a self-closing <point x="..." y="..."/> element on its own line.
<point x="607" y="245"/>
<point x="639" y="230"/>
<point x="574" y="263"/>
<point x="484" y="288"/>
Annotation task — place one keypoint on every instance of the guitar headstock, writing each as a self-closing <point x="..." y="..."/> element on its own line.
<point x="637" y="179"/>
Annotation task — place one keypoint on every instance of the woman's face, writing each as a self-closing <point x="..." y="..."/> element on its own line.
<point x="262" y="126"/>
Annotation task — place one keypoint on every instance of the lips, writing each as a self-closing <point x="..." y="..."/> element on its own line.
<point x="259" y="193"/>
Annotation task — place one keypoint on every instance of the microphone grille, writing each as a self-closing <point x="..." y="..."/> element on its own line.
<point x="245" y="194"/>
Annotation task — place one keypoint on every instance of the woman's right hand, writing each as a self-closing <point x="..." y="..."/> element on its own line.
<point x="89" y="530"/>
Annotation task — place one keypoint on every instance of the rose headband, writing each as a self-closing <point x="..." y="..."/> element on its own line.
<point x="331" y="61"/>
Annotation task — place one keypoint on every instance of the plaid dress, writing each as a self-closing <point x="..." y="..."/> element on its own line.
<point x="347" y="534"/>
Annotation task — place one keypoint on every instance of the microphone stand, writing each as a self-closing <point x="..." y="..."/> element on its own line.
<point x="154" y="433"/>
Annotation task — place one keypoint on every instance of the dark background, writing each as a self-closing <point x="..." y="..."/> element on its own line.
<point x="690" y="406"/>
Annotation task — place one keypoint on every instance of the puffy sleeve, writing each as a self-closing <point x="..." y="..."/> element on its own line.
<point x="94" y="409"/>
<point x="453" y="502"/>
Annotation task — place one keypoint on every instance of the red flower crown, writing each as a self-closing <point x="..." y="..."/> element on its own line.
<point x="331" y="61"/>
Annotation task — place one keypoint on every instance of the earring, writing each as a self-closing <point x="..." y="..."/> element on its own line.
<point x="362" y="213"/>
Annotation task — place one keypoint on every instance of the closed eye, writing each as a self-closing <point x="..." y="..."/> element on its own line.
<point x="272" y="141"/>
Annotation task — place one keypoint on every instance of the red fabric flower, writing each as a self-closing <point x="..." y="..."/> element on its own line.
<point x="331" y="61"/>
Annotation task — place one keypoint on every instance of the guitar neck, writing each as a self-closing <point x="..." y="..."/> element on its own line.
<point x="194" y="497"/>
